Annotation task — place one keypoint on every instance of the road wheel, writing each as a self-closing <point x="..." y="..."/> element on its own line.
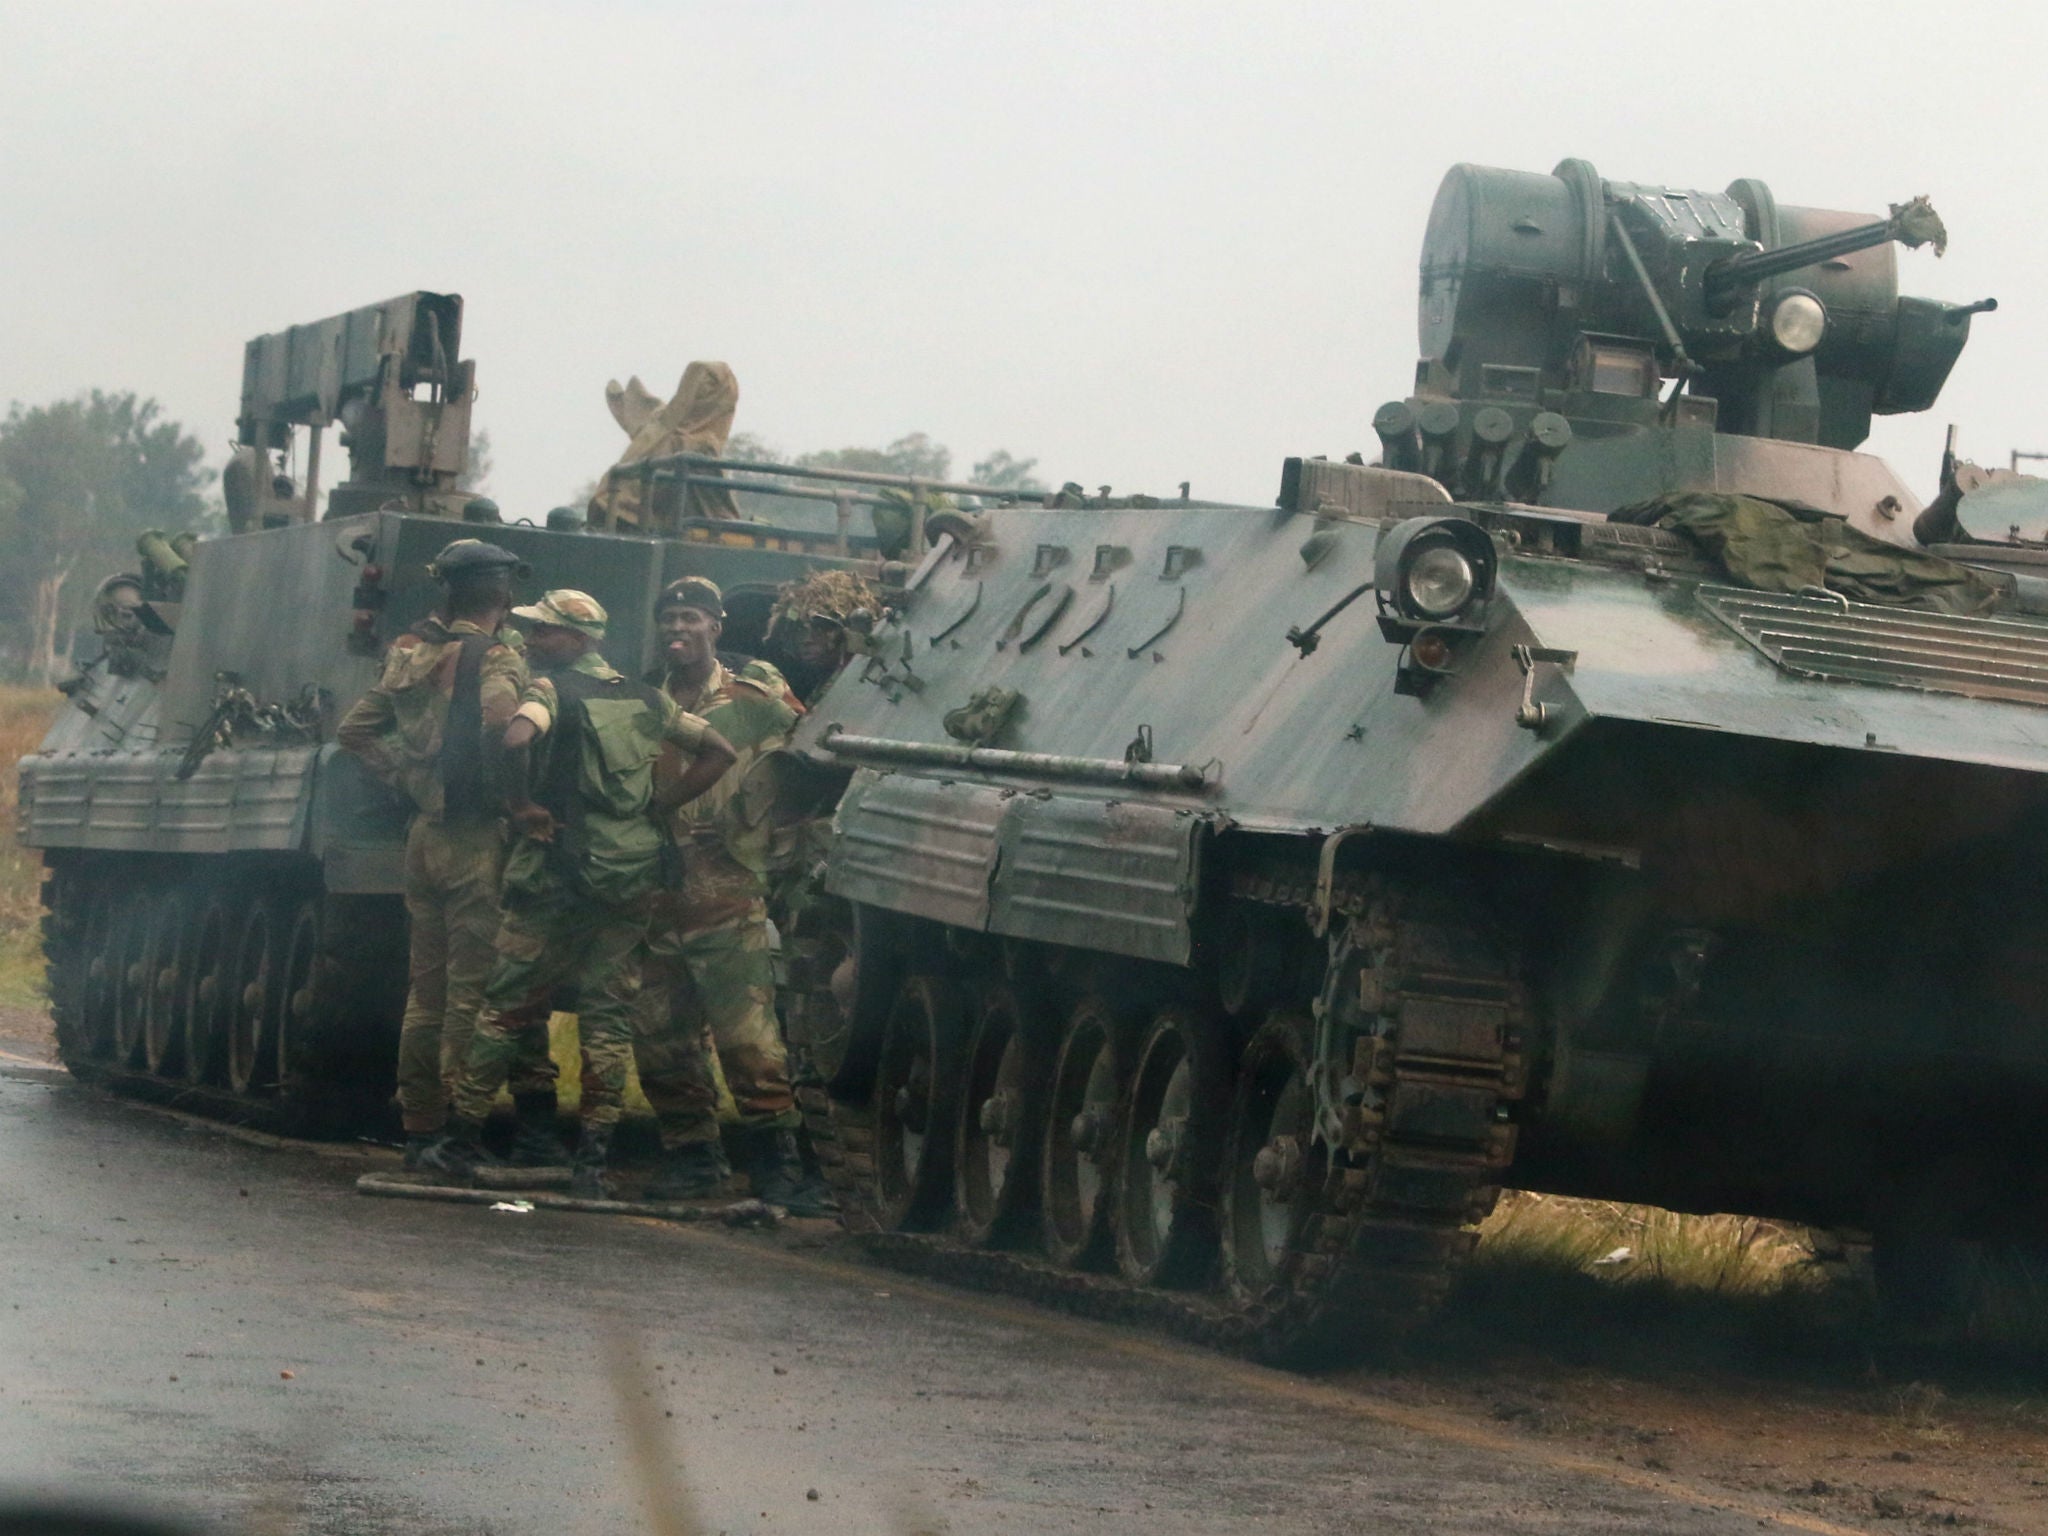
<point x="252" y="1035"/>
<point x="1001" y="1115"/>
<point x="299" y="954"/>
<point x="209" y="993"/>
<point x="1078" y="1156"/>
<point x="916" y="1091"/>
<point x="169" y="949"/>
<point x="100" y="968"/>
<point x="1272" y="1169"/>
<point x="133" y="967"/>
<point x="1170" y="1141"/>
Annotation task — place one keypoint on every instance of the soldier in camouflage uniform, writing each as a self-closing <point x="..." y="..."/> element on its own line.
<point x="709" y="978"/>
<point x="594" y="762"/>
<point x="448" y="689"/>
<point x="817" y="624"/>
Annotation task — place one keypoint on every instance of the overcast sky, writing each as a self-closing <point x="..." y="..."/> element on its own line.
<point x="1142" y="243"/>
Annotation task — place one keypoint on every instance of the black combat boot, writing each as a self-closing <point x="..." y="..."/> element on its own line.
<point x="534" y="1142"/>
<point x="694" y="1171"/>
<point x="586" y="1171"/>
<point x="416" y="1144"/>
<point x="456" y="1153"/>
<point x="772" y="1166"/>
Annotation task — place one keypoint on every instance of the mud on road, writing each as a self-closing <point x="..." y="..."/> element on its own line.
<point x="790" y="1364"/>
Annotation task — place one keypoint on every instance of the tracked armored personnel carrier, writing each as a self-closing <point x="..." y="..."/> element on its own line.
<point x="1599" y="793"/>
<point x="224" y="921"/>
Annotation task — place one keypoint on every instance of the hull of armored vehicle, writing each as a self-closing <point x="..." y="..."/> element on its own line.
<point x="224" y="920"/>
<point x="1232" y="981"/>
<point x="1603" y="792"/>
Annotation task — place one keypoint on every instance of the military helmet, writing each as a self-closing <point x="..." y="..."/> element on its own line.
<point x="694" y="592"/>
<point x="567" y="519"/>
<point x="566" y="608"/>
<point x="833" y="597"/>
<point x="481" y="509"/>
<point x="467" y="559"/>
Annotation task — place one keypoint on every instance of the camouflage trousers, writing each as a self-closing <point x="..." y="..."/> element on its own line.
<point x="451" y="906"/>
<point x="545" y="943"/>
<point x="705" y="989"/>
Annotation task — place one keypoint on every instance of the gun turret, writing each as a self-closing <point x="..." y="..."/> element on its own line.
<point x="1582" y="297"/>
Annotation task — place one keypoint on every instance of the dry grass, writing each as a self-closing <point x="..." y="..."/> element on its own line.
<point x="1650" y="1292"/>
<point x="25" y="714"/>
<point x="1636" y="1245"/>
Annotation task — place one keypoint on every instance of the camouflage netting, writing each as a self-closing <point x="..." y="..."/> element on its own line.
<point x="1918" y="224"/>
<point x="833" y="596"/>
<point x="696" y="419"/>
<point x="1778" y="547"/>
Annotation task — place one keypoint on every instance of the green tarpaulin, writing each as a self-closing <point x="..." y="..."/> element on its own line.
<point x="1778" y="547"/>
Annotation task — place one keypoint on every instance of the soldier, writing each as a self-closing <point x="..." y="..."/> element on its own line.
<point x="593" y="764"/>
<point x="709" y="978"/>
<point x="448" y="689"/>
<point x="817" y="624"/>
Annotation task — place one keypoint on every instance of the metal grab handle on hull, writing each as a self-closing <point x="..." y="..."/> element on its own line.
<point x="1037" y="765"/>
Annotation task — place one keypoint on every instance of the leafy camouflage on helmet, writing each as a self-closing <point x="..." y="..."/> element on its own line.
<point x="567" y="608"/>
<point x="830" y="597"/>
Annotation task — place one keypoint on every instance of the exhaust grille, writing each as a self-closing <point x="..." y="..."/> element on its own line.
<point x="1829" y="637"/>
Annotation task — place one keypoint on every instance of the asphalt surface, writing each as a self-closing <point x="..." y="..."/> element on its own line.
<point x="227" y="1329"/>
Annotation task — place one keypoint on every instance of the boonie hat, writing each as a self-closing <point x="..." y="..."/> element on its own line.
<point x="472" y="557"/>
<point x="694" y="592"/>
<point x="567" y="608"/>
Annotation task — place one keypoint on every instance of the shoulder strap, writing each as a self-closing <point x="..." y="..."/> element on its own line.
<point x="463" y="790"/>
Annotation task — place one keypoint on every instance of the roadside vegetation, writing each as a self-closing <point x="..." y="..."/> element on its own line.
<point x="24" y="715"/>
<point x="1653" y="1293"/>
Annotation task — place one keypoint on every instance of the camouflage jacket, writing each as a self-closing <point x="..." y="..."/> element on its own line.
<point x="397" y="727"/>
<point x="597" y="777"/>
<point x="724" y="860"/>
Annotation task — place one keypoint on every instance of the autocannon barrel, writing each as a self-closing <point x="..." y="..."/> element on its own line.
<point x="1913" y="223"/>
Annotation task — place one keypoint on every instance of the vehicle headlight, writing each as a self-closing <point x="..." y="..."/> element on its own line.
<point x="1798" y="321"/>
<point x="1434" y="572"/>
<point x="1439" y="582"/>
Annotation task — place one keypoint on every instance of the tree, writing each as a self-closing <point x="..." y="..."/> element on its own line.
<point x="748" y="446"/>
<point x="476" y="474"/>
<point x="79" y="479"/>
<point x="1004" y="471"/>
<point x="912" y="454"/>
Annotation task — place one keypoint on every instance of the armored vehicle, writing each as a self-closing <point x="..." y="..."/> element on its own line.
<point x="1600" y="793"/>
<point x="223" y="914"/>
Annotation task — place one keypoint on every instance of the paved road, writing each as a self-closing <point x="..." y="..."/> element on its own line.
<point x="448" y="1373"/>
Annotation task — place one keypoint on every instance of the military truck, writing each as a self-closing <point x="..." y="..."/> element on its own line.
<point x="223" y="919"/>
<point x="1599" y="793"/>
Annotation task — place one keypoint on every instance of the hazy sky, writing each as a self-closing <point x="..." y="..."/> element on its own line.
<point x="1143" y="243"/>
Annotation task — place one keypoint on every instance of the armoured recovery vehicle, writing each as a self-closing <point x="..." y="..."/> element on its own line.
<point x="223" y="914"/>
<point x="1599" y="793"/>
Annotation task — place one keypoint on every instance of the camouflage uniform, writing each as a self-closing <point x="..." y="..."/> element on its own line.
<point x="710" y="979"/>
<point x="577" y="907"/>
<point x="453" y="862"/>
